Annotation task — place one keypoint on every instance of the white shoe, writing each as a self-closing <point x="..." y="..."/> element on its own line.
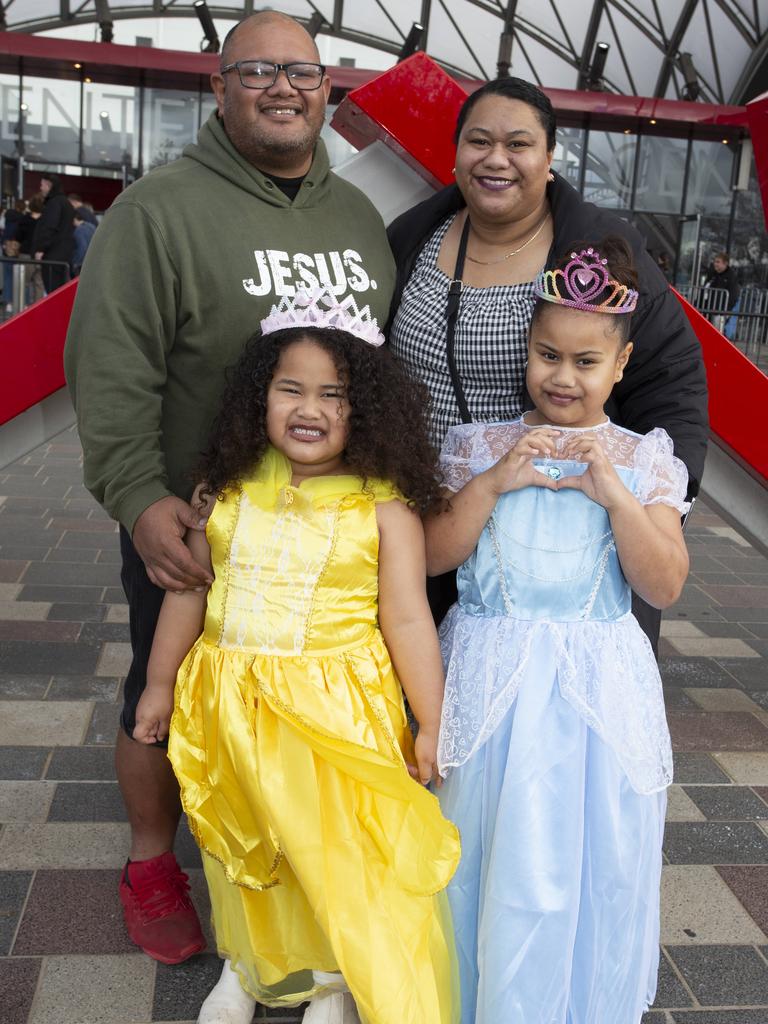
<point x="332" y="1008"/>
<point x="227" y="1002"/>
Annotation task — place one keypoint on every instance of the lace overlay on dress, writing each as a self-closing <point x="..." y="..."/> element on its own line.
<point x="577" y="619"/>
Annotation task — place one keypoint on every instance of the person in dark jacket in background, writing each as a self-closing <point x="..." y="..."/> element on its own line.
<point x="11" y="246"/>
<point x="513" y="216"/>
<point x="82" y="211"/>
<point x="84" y="232"/>
<point x="722" y="275"/>
<point x="54" y="234"/>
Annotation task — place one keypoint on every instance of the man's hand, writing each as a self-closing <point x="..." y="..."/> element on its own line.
<point x="39" y="255"/>
<point x="158" y="536"/>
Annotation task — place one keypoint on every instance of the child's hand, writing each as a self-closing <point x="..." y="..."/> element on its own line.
<point x="425" y="768"/>
<point x="153" y="715"/>
<point x="515" y="470"/>
<point x="600" y="481"/>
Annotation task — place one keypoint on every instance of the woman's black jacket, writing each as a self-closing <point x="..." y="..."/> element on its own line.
<point x="664" y="383"/>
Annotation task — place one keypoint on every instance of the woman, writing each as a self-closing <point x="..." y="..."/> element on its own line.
<point x="515" y="216"/>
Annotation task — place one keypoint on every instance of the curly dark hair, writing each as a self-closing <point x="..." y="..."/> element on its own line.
<point x="621" y="267"/>
<point x="388" y="436"/>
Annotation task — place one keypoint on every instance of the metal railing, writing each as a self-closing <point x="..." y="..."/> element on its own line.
<point x="745" y="325"/>
<point x="28" y="281"/>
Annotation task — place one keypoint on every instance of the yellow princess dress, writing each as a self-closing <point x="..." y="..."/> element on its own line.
<point x="289" y="739"/>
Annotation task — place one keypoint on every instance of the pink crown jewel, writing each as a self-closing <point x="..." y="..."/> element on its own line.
<point x="582" y="282"/>
<point x="321" y="308"/>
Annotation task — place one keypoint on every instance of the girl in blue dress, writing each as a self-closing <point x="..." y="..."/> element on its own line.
<point x="554" y="743"/>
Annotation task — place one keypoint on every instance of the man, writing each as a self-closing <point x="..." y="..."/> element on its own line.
<point x="84" y="232"/>
<point x="54" y="234"/>
<point x="722" y="276"/>
<point x="183" y="267"/>
<point x="84" y="212"/>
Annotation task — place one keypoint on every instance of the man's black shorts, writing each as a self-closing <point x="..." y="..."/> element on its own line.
<point x="144" y="601"/>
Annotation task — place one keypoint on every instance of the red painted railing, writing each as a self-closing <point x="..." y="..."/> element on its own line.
<point x="31" y="348"/>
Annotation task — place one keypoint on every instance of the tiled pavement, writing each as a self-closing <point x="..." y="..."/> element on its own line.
<point x="64" y="958"/>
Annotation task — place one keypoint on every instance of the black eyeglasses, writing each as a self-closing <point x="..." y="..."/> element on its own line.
<point x="261" y="74"/>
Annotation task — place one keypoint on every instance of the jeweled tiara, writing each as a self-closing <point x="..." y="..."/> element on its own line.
<point x="321" y="308"/>
<point x="582" y="282"/>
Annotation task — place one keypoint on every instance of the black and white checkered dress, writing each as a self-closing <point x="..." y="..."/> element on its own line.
<point x="490" y="344"/>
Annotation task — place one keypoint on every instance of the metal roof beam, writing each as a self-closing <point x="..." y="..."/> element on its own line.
<point x="589" y="43"/>
<point x="673" y="47"/>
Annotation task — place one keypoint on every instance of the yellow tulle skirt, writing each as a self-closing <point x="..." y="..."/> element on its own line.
<point x="320" y="851"/>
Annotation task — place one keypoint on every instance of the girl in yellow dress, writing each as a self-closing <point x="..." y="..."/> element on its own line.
<point x="325" y="856"/>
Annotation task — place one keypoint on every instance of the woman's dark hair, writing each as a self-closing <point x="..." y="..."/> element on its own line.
<point x="621" y="268"/>
<point x="513" y="89"/>
<point x="388" y="436"/>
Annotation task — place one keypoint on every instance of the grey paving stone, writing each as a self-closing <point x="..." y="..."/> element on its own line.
<point x="181" y="989"/>
<point x="696" y="615"/>
<point x="37" y="658"/>
<point x="18" y="981"/>
<point x="709" y="842"/>
<point x="109" y="556"/>
<point x="694" y="672"/>
<point x="77" y="539"/>
<point x="728" y="803"/>
<point x="23" y="762"/>
<point x="89" y="801"/>
<point x="186" y="849"/>
<point x="759" y="629"/>
<point x="723" y="975"/>
<point x="670" y="991"/>
<point x="23" y="687"/>
<point x="95" y="764"/>
<point x="751" y="673"/>
<point x="676" y="697"/>
<point x="105" y="722"/>
<point x="104" y="632"/>
<point x="77" y="612"/>
<point x="654" y="1017"/>
<point x="31" y="552"/>
<point x="100" y="688"/>
<point x="71" y="574"/>
<point x="744" y="614"/>
<point x="14" y="886"/>
<point x="78" y="556"/>
<point x="725" y="629"/>
<point x="114" y="595"/>
<point x="759" y="1016"/>
<point x="701" y="768"/>
<point x="65" y="595"/>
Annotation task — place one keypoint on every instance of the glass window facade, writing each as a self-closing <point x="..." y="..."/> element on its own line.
<point x="655" y="181"/>
<point x="609" y="169"/>
<point x="660" y="174"/>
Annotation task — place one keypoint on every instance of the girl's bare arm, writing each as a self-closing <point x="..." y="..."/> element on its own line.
<point x="178" y="626"/>
<point x="407" y="625"/>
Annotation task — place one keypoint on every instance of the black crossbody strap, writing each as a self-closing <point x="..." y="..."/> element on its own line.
<point x="452" y="315"/>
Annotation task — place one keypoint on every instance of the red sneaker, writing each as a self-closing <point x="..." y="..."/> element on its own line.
<point x="157" y="909"/>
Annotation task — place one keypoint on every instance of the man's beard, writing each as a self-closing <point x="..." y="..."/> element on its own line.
<point x="267" y="148"/>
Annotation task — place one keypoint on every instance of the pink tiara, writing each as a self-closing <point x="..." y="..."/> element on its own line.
<point x="321" y="308"/>
<point x="581" y="282"/>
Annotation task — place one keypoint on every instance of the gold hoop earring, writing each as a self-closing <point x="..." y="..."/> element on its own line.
<point x="550" y="176"/>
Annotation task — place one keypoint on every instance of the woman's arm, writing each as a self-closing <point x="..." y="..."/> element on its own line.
<point x="649" y="538"/>
<point x="407" y="626"/>
<point x="452" y="534"/>
<point x="178" y="626"/>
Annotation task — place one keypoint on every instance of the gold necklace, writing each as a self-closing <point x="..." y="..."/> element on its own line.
<point x="489" y="263"/>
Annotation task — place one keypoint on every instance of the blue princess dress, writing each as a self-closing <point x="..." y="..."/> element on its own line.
<point x="555" y="746"/>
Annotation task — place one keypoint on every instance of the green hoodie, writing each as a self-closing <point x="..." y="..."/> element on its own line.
<point x="186" y="263"/>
